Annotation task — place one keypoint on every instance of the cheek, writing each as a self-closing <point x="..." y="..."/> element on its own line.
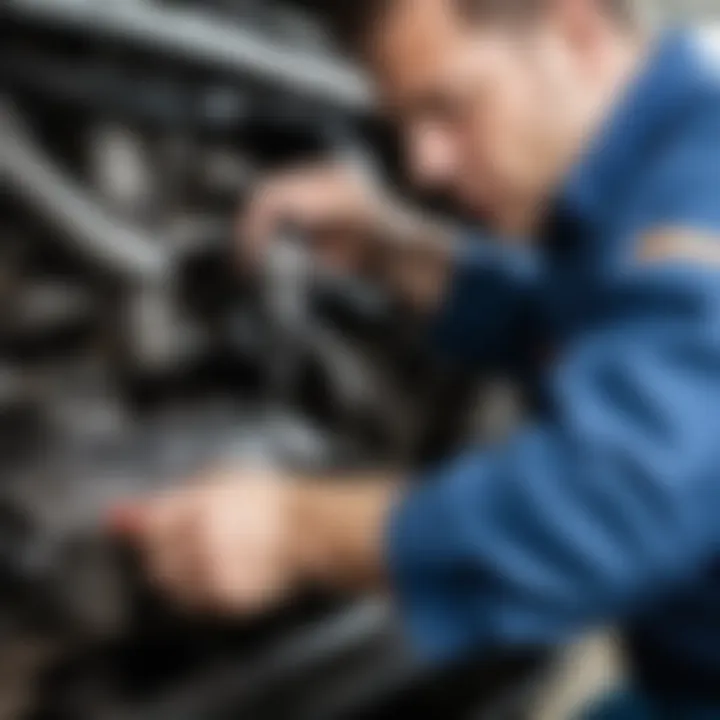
<point x="499" y="136"/>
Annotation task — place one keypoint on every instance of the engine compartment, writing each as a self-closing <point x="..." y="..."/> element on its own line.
<point x="135" y="352"/>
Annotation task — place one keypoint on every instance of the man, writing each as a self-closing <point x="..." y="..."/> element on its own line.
<point x="562" y="120"/>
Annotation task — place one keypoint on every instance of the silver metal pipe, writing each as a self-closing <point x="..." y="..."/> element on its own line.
<point x="194" y="34"/>
<point x="99" y="235"/>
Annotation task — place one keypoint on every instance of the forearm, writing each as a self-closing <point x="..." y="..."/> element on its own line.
<point x="337" y="531"/>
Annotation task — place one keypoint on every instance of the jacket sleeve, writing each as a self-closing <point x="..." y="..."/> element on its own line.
<point x="612" y="500"/>
<point x="488" y="301"/>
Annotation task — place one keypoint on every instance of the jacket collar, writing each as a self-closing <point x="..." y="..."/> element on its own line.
<point x="651" y="104"/>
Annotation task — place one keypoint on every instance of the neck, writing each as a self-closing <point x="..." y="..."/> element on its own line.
<point x="618" y="61"/>
<point x="617" y="66"/>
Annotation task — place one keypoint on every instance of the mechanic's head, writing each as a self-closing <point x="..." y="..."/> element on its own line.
<point x="495" y="98"/>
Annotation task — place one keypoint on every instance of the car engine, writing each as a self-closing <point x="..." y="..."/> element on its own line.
<point x="136" y="351"/>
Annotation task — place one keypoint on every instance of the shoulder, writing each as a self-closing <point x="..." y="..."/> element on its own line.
<point x="690" y="144"/>
<point x="680" y="185"/>
<point x="705" y="46"/>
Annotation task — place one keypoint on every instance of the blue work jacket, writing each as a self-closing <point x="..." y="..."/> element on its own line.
<point x="606" y="507"/>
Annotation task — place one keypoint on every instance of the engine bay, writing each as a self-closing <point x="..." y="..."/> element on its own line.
<point x="136" y="351"/>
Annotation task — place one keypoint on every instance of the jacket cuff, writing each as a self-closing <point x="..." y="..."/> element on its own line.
<point x="437" y="604"/>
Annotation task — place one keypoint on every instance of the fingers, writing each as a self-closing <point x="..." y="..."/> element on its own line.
<point x="162" y="531"/>
<point x="288" y="199"/>
<point x="171" y="551"/>
<point x="326" y="202"/>
<point x="243" y="567"/>
<point x="243" y="535"/>
<point x="215" y="547"/>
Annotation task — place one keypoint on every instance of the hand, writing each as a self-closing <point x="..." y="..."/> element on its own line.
<point x="241" y="544"/>
<point x="335" y="205"/>
<point x="220" y="545"/>
<point x="352" y="225"/>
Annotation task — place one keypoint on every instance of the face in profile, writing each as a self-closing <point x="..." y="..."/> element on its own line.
<point x="482" y="106"/>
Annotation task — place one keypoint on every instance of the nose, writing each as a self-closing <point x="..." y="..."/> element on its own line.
<point x="433" y="158"/>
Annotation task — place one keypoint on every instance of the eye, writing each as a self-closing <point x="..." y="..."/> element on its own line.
<point x="440" y="109"/>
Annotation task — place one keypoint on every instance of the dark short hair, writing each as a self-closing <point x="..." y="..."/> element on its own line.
<point x="351" y="21"/>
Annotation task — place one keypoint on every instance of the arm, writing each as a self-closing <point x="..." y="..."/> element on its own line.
<point x="474" y="292"/>
<point x="580" y="519"/>
<point x="612" y="500"/>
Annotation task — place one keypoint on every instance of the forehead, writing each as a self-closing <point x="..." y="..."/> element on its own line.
<point x="412" y="39"/>
<point x="421" y="42"/>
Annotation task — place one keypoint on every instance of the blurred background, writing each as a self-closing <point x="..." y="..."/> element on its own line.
<point x="134" y="350"/>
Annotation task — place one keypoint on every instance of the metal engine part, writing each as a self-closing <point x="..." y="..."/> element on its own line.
<point x="133" y="354"/>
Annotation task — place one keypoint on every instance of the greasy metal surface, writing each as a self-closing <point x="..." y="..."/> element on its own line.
<point x="197" y="35"/>
<point x="30" y="173"/>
